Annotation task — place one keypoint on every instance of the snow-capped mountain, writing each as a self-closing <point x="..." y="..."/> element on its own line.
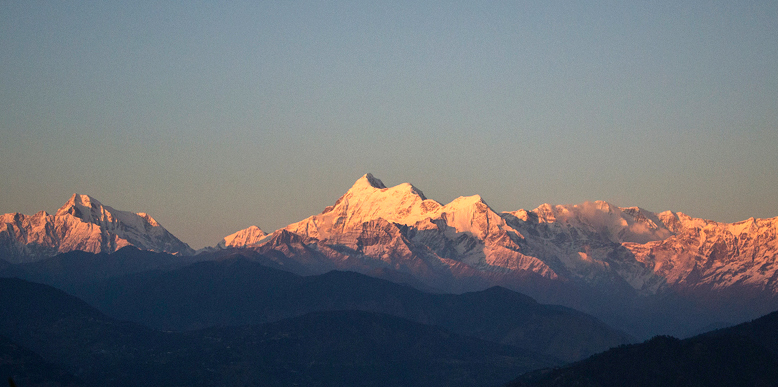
<point x="592" y="256"/>
<point x="653" y="251"/>
<point x="83" y="223"/>
<point x="712" y="255"/>
<point x="243" y="238"/>
<point x="372" y="227"/>
<point x="465" y="244"/>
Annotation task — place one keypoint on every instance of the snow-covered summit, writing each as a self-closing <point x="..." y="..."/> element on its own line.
<point x="82" y="207"/>
<point x="598" y="220"/>
<point x="375" y="221"/>
<point x="243" y="238"/>
<point x="369" y="183"/>
<point x="83" y="223"/>
<point x="368" y="199"/>
<point x="370" y="180"/>
<point x="595" y="243"/>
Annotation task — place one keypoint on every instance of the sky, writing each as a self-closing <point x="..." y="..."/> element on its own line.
<point x="213" y="116"/>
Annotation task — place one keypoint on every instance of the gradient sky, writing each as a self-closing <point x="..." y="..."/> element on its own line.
<point x="212" y="116"/>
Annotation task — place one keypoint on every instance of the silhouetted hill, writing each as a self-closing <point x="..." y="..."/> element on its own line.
<point x="64" y="270"/>
<point x="28" y="369"/>
<point x="355" y="348"/>
<point x="69" y="270"/>
<point x="763" y="331"/>
<point x="743" y="355"/>
<point x="330" y="348"/>
<point x="239" y="292"/>
<point x="67" y="331"/>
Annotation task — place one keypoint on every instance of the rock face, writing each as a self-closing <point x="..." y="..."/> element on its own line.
<point x="372" y="227"/>
<point x="465" y="245"/>
<point x="703" y="253"/>
<point x="83" y="223"/>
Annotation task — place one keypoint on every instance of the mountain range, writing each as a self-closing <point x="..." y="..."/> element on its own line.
<point x="641" y="271"/>
<point x="593" y="256"/>
<point x="388" y="287"/>
<point x="82" y="224"/>
<point x="239" y="290"/>
<point x="50" y="338"/>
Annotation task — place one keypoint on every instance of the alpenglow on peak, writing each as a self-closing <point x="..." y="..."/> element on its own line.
<point x="84" y="224"/>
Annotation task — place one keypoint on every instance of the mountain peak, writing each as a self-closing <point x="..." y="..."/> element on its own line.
<point x="81" y="200"/>
<point x="466" y="201"/>
<point x="242" y="238"/>
<point x="80" y="206"/>
<point x="85" y="224"/>
<point x="471" y="199"/>
<point x="369" y="181"/>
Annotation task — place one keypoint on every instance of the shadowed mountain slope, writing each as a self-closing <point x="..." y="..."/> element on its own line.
<point x="642" y="272"/>
<point x="28" y="369"/>
<point x="330" y="348"/>
<point x="355" y="348"/>
<point x="743" y="355"/>
<point x="238" y="292"/>
<point x="679" y="272"/>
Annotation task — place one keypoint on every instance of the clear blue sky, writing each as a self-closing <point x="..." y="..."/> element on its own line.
<point x="213" y="116"/>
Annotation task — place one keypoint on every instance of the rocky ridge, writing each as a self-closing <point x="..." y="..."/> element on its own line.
<point x="84" y="224"/>
<point x="593" y="244"/>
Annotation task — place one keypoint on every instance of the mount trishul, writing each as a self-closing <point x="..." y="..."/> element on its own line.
<point x="553" y="253"/>
<point x="375" y="226"/>
<point x="621" y="264"/>
<point x="83" y="223"/>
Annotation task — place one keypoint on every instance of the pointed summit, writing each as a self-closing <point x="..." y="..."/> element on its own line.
<point x="464" y="201"/>
<point x="372" y="180"/>
<point x="84" y="224"/>
<point x="368" y="199"/>
<point x="367" y="183"/>
<point x="242" y="238"/>
<point x="82" y="200"/>
<point x="80" y="206"/>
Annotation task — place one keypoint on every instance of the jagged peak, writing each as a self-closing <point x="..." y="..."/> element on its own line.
<point x="77" y="204"/>
<point x="412" y="189"/>
<point x="368" y="181"/>
<point x="681" y="215"/>
<point x="640" y="212"/>
<point x="283" y="236"/>
<point x="369" y="199"/>
<point x="90" y="210"/>
<point x="80" y="200"/>
<point x="546" y="211"/>
<point x="106" y="229"/>
<point x="522" y="214"/>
